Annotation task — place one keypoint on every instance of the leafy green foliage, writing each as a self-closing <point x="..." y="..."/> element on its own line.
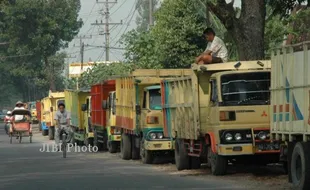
<point x="36" y="30"/>
<point x="174" y="41"/>
<point x="101" y="72"/>
<point x="143" y="17"/>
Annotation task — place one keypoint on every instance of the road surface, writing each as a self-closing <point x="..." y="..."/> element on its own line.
<point x="24" y="167"/>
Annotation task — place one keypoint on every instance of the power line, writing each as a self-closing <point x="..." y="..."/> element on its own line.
<point x="107" y="25"/>
<point x="127" y="23"/>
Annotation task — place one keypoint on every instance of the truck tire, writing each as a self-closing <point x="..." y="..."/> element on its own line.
<point x="112" y="146"/>
<point x="195" y="162"/>
<point x="50" y="133"/>
<point x="126" y="147"/>
<point x="181" y="157"/>
<point x="135" y="152"/>
<point x="44" y="132"/>
<point x="40" y="125"/>
<point x="146" y="155"/>
<point x="96" y="143"/>
<point x="218" y="164"/>
<point x="300" y="166"/>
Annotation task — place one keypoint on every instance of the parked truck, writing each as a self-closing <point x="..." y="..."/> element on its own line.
<point x="290" y="96"/>
<point x="32" y="108"/>
<point x="106" y="135"/>
<point x="77" y="104"/>
<point x="38" y="108"/>
<point x="139" y="116"/>
<point x="49" y="106"/>
<point x="220" y="114"/>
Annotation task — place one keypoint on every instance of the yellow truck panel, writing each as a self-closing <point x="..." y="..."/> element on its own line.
<point x="49" y="106"/>
<point x="79" y="120"/>
<point x="221" y="111"/>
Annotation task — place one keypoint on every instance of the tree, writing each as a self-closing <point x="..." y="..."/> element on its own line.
<point x="248" y="29"/>
<point x="178" y="33"/>
<point x="101" y="72"/>
<point x="141" y="50"/>
<point x="143" y="17"/>
<point x="41" y="28"/>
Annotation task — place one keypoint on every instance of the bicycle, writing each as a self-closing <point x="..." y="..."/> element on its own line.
<point x="64" y="140"/>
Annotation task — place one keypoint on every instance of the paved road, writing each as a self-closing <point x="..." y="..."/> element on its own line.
<point x="24" y="167"/>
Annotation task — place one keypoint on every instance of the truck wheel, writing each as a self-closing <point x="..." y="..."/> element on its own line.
<point x="218" y="164"/>
<point x="300" y="166"/>
<point x="126" y="147"/>
<point x="112" y="146"/>
<point x="146" y="155"/>
<point x="96" y="143"/>
<point x="40" y="126"/>
<point x="181" y="157"/>
<point x="50" y="133"/>
<point x="135" y="152"/>
<point x="44" y="132"/>
<point x="195" y="162"/>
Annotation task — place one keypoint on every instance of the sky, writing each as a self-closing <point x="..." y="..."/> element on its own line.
<point x="123" y="10"/>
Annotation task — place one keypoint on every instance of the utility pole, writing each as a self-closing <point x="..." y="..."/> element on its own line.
<point x="150" y="13"/>
<point x="107" y="27"/>
<point x="81" y="54"/>
<point x="67" y="65"/>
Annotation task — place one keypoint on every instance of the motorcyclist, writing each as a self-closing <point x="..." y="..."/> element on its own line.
<point x="7" y="118"/>
<point x="62" y="118"/>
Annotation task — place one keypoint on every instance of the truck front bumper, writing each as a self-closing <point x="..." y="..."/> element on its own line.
<point x="114" y="137"/>
<point x="159" y="145"/>
<point x="246" y="149"/>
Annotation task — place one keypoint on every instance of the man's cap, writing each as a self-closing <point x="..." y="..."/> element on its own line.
<point x="19" y="102"/>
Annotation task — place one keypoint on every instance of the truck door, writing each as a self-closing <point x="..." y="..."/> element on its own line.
<point x="213" y="104"/>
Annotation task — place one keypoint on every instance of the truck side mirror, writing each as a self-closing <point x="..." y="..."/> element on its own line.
<point x="104" y="104"/>
<point x="138" y="109"/>
<point x="84" y="107"/>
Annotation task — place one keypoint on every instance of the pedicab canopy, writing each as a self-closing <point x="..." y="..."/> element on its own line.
<point x="19" y="115"/>
<point x="21" y="112"/>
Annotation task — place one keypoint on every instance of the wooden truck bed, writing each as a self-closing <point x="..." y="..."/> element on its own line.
<point x="74" y="100"/>
<point x="290" y="92"/>
<point x="100" y="92"/>
<point x="129" y="90"/>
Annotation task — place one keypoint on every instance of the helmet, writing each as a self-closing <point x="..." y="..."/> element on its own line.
<point x="9" y="113"/>
<point x="19" y="103"/>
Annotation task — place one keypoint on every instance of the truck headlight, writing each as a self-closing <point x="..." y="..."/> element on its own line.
<point x="228" y="137"/>
<point x="160" y="135"/>
<point x="238" y="136"/>
<point x="153" y="135"/>
<point x="262" y="135"/>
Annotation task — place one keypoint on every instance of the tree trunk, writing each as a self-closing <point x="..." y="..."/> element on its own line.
<point x="50" y="74"/>
<point x="247" y="30"/>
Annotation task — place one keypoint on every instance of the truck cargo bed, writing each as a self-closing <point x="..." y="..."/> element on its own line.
<point x="290" y="92"/>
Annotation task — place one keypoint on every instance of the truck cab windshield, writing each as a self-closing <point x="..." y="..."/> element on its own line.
<point x="155" y="99"/>
<point x="246" y="89"/>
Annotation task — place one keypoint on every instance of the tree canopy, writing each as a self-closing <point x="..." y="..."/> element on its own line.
<point x="35" y="31"/>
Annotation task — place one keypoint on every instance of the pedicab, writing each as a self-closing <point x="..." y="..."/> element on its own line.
<point x="21" y="125"/>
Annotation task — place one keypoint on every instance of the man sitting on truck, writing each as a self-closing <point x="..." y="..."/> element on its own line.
<point x="216" y="51"/>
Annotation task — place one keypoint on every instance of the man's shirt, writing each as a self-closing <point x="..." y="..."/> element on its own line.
<point x="18" y="117"/>
<point x="218" y="48"/>
<point x="62" y="117"/>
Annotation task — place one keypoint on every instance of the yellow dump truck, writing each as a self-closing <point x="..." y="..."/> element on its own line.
<point x="290" y="110"/>
<point x="78" y="104"/>
<point x="220" y="114"/>
<point x="49" y="106"/>
<point x="139" y="116"/>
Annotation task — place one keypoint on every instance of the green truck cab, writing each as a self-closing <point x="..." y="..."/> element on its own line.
<point x="153" y="142"/>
